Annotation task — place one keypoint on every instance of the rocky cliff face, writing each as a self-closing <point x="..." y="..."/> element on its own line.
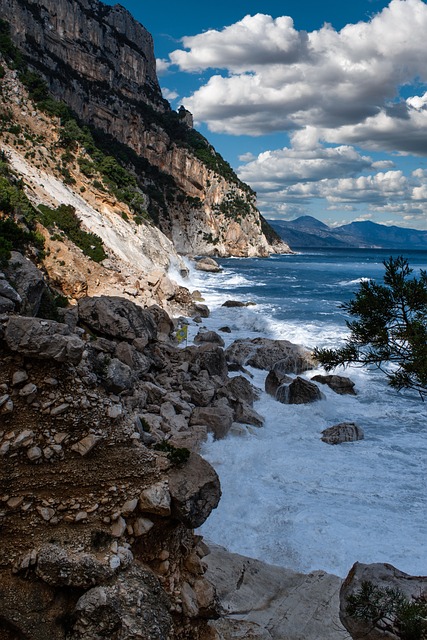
<point x="100" y="61"/>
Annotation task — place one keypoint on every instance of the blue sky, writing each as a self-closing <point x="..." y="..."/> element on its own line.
<point x="320" y="106"/>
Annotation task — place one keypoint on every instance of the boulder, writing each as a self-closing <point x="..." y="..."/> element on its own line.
<point x="156" y="499"/>
<point x="208" y="264"/>
<point x="163" y="322"/>
<point x="208" y="356"/>
<point x="43" y="339"/>
<point x="342" y="432"/>
<point x="118" y="376"/>
<point x="208" y="336"/>
<point x="239" y="389"/>
<point x="263" y="353"/>
<point x="6" y="305"/>
<point x="236" y="303"/>
<point x="299" y="391"/>
<point x="262" y="601"/>
<point x="218" y="420"/>
<point x="128" y="355"/>
<point x="201" y="392"/>
<point x="379" y="576"/>
<point x="133" y="606"/>
<point x="201" y="309"/>
<point x="339" y="384"/>
<point x="245" y="414"/>
<point x="28" y="283"/>
<point x="59" y="568"/>
<point x="117" y="318"/>
<point x="195" y="491"/>
<point x="273" y="381"/>
<point x="8" y="292"/>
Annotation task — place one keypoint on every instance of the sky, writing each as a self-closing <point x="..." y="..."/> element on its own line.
<point x="320" y="106"/>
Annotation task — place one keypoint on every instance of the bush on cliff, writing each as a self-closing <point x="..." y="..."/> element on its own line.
<point x="390" y="330"/>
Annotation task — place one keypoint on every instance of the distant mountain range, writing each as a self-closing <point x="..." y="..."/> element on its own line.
<point x="307" y="232"/>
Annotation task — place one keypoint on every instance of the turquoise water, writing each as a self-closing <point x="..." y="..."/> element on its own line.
<point x="288" y="498"/>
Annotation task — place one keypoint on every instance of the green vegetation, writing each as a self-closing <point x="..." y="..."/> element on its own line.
<point x="177" y="455"/>
<point x="390" y="611"/>
<point x="390" y="329"/>
<point x="64" y="218"/>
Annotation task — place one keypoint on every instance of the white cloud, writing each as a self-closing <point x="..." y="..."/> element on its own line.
<point x="162" y="66"/>
<point x="168" y="94"/>
<point x="339" y="86"/>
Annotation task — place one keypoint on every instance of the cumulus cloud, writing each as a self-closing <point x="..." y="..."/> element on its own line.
<point x="168" y="94"/>
<point x="162" y="66"/>
<point x="343" y="85"/>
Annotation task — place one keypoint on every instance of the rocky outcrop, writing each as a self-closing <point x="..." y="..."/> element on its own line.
<point x="299" y="391"/>
<point x="342" y="432"/>
<point x="340" y="384"/>
<point x="263" y="353"/>
<point x="264" y="602"/>
<point x="100" y="61"/>
<point x="381" y="616"/>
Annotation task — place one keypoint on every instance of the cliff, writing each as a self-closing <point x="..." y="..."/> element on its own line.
<point x="100" y="62"/>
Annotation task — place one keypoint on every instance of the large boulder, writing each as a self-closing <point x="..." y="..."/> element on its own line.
<point x="263" y="353"/>
<point x="299" y="391"/>
<point x="218" y="420"/>
<point x="378" y="625"/>
<point x="207" y="357"/>
<point x="195" y="491"/>
<point x="340" y="384"/>
<point x="208" y="264"/>
<point x="28" y="282"/>
<point x="208" y="336"/>
<point x="43" y="339"/>
<point x="118" y="376"/>
<point x="134" y="606"/>
<point x="8" y="292"/>
<point x="117" y="318"/>
<point x="239" y="389"/>
<point x="342" y="432"/>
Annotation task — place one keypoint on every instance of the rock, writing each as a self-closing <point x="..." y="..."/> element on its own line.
<point x="208" y="264"/>
<point x="141" y="526"/>
<point x="118" y="376"/>
<point x="6" y="305"/>
<point x="207" y="356"/>
<point x="245" y="414"/>
<point x="201" y="309"/>
<point x="118" y="527"/>
<point x="382" y="576"/>
<point x="59" y="567"/>
<point x="236" y="303"/>
<point x="263" y="353"/>
<point x="117" y="318"/>
<point x="8" y="292"/>
<point x="133" y="358"/>
<point x="218" y="420"/>
<point x="342" y="432"/>
<point x="86" y="445"/>
<point x="59" y="409"/>
<point x="19" y="377"/>
<point x="34" y="453"/>
<point x="339" y="384"/>
<point x="133" y="606"/>
<point x="28" y="283"/>
<point x="208" y="336"/>
<point x="164" y="324"/>
<point x="43" y="339"/>
<point x="273" y="381"/>
<point x="264" y="598"/>
<point x="189" y="601"/>
<point x="239" y="389"/>
<point x="299" y="391"/>
<point x="28" y="392"/>
<point x="195" y="491"/>
<point x="129" y="506"/>
<point x="201" y="391"/>
<point x="156" y="499"/>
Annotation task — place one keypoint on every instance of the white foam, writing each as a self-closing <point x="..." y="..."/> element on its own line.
<point x="290" y="499"/>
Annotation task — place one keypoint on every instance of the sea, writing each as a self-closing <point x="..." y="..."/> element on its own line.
<point x="288" y="498"/>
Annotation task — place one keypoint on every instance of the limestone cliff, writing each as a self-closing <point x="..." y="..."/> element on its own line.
<point x="100" y="62"/>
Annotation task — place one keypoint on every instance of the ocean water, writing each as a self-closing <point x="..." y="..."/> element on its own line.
<point x="287" y="497"/>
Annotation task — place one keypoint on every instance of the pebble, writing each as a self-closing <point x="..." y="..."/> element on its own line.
<point x="62" y="408"/>
<point x="34" y="453"/>
<point x="19" y="377"/>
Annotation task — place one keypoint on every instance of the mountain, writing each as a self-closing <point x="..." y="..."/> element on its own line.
<point x="100" y="62"/>
<point x="307" y="232"/>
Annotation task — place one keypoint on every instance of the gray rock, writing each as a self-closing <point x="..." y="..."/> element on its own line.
<point x="43" y="339"/>
<point x="195" y="491"/>
<point x="236" y="303"/>
<point x="207" y="356"/>
<point x="86" y="445"/>
<point x="342" y="432"/>
<point x="201" y="391"/>
<point x="19" y="377"/>
<point x="208" y="264"/>
<point x="7" y="291"/>
<point x="218" y="420"/>
<point x="6" y="305"/>
<point x="208" y="336"/>
<point x="118" y="376"/>
<point x="28" y="282"/>
<point x="340" y="384"/>
<point x="134" y="606"/>
<point x="130" y="356"/>
<point x="59" y="567"/>
<point x="164" y="324"/>
<point x="299" y="391"/>
<point x="202" y="310"/>
<point x="117" y="318"/>
<point x="273" y="381"/>
<point x="156" y="499"/>
<point x="238" y="389"/>
<point x="382" y="576"/>
<point x="245" y="414"/>
<point x="262" y="601"/>
<point x="263" y="353"/>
